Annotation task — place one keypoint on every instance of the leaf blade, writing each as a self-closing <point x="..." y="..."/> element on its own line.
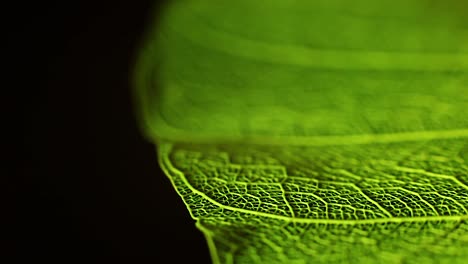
<point x="347" y="122"/>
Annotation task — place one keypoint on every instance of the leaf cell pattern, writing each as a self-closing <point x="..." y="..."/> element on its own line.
<point x="403" y="202"/>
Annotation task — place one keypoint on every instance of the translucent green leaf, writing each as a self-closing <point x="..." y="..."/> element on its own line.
<point x="401" y="202"/>
<point x="314" y="131"/>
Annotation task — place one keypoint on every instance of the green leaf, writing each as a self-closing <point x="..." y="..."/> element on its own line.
<point x="314" y="131"/>
<point x="400" y="202"/>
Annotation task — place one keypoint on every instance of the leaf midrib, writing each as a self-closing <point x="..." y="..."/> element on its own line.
<point x="330" y="59"/>
<point x="322" y="140"/>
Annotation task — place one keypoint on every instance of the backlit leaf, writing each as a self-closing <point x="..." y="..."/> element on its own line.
<point x="314" y="131"/>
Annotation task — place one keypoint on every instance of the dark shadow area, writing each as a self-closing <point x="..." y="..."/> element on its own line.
<point x="92" y="184"/>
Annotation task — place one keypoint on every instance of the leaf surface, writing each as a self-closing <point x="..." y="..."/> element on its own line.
<point x="314" y="131"/>
<point x="379" y="203"/>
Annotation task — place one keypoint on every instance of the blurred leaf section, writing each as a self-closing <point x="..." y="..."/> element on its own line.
<point x="247" y="69"/>
<point x="314" y="131"/>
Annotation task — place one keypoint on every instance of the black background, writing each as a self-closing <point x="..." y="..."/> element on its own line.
<point x="92" y="185"/>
